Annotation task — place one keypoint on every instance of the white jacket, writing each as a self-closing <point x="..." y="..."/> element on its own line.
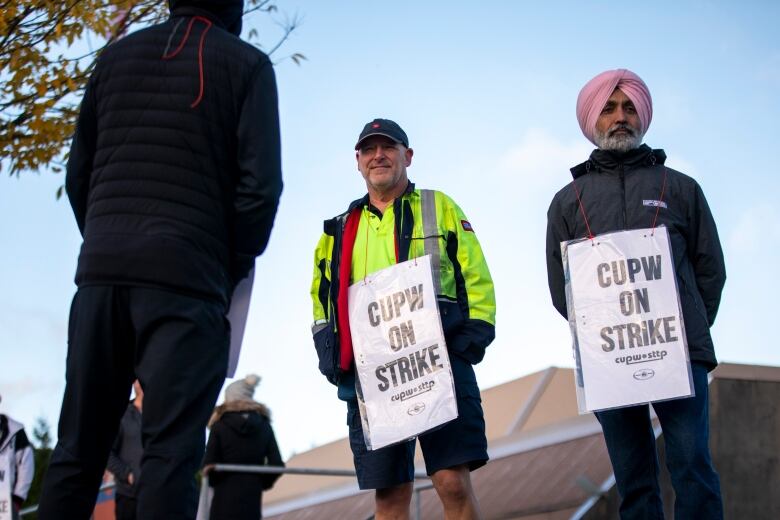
<point x="18" y="460"/>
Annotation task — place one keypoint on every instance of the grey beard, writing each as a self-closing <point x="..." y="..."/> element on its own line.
<point x="618" y="143"/>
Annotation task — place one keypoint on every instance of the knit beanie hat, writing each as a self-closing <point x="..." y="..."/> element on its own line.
<point x="243" y="389"/>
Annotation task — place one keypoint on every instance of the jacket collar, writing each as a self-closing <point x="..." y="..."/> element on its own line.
<point x="238" y="406"/>
<point x="365" y="201"/>
<point x="606" y="161"/>
<point x="226" y="14"/>
<point x="331" y="225"/>
<point x="11" y="428"/>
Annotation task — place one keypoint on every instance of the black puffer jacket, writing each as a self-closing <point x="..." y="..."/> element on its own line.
<point x="618" y="193"/>
<point x="174" y="173"/>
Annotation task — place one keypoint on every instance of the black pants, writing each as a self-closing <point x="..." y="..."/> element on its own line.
<point x="177" y="347"/>
<point x="124" y="507"/>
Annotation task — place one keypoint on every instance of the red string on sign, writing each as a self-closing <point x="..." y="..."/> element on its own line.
<point x="657" y="207"/>
<point x="582" y="210"/>
<point x="365" y="263"/>
<point x="660" y="201"/>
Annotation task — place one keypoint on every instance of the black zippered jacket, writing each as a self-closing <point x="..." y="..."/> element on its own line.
<point x="620" y="192"/>
<point x="127" y="451"/>
<point x="174" y="172"/>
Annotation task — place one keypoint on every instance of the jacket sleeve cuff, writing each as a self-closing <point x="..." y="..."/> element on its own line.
<point x="471" y="340"/>
<point x="241" y="266"/>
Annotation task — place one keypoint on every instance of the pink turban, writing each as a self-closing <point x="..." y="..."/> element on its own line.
<point x="596" y="92"/>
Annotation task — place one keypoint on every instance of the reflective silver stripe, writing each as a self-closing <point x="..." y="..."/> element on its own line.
<point x="431" y="235"/>
<point x="318" y="326"/>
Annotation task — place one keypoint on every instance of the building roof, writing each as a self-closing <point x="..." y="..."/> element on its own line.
<point x="538" y="443"/>
<point x="522" y="416"/>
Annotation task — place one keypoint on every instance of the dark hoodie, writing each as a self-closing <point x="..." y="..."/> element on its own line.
<point x="174" y="172"/>
<point x="227" y="12"/>
<point x="241" y="433"/>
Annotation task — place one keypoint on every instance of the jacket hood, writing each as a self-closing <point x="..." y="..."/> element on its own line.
<point x="13" y="428"/>
<point x="605" y="160"/>
<point x="228" y="12"/>
<point x="239" y="407"/>
<point x="244" y="423"/>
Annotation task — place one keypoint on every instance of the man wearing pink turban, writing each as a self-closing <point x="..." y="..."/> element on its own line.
<point x="624" y="185"/>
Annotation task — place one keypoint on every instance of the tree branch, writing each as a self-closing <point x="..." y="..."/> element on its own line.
<point x="288" y="27"/>
<point x="14" y="24"/>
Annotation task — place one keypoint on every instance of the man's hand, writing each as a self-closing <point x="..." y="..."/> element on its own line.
<point x="207" y="468"/>
<point x="130" y="479"/>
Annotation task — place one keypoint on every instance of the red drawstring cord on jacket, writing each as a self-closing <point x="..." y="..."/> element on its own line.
<point x="657" y="208"/>
<point x="200" y="53"/>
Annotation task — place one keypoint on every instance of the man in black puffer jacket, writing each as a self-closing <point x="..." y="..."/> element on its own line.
<point x="625" y="186"/>
<point x="174" y="177"/>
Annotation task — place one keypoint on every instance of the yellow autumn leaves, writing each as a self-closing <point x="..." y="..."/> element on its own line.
<point x="48" y="49"/>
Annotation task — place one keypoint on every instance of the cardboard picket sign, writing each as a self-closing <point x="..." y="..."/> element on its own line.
<point x="236" y="316"/>
<point x="404" y="382"/>
<point x="626" y="321"/>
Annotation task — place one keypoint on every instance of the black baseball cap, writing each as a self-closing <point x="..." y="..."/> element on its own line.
<point x="386" y="128"/>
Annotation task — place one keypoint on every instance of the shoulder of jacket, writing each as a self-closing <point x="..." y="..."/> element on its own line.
<point x="563" y="195"/>
<point x="580" y="169"/>
<point x="442" y="199"/>
<point x="21" y="441"/>
<point x="330" y="226"/>
<point x="681" y="177"/>
<point x="438" y="193"/>
<point x="255" y="58"/>
<point x="238" y="406"/>
<point x="14" y="427"/>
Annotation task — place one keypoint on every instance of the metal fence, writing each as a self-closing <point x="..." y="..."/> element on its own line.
<point x="419" y="487"/>
<point x="422" y="483"/>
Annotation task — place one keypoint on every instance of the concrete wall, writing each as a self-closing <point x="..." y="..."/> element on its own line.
<point x="745" y="443"/>
<point x="745" y="446"/>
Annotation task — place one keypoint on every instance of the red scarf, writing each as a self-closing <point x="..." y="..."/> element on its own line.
<point x="345" y="269"/>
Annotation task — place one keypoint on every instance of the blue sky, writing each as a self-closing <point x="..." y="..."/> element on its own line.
<point x="486" y="93"/>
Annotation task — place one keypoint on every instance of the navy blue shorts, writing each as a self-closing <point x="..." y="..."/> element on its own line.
<point x="461" y="441"/>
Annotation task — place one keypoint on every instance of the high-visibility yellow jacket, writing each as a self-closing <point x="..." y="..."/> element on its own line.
<point x="464" y="286"/>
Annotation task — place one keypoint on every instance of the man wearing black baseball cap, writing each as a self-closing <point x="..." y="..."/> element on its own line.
<point x="383" y="127"/>
<point x="392" y="223"/>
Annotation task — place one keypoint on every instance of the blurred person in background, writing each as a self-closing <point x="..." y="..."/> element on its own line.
<point x="241" y="433"/>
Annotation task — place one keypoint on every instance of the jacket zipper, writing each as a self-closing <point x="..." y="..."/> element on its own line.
<point x="623" y="192"/>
